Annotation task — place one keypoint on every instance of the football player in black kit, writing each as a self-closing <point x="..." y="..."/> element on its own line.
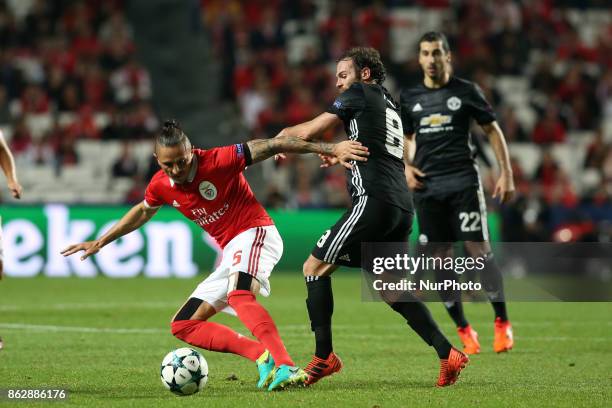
<point x="381" y="211"/>
<point x="445" y="180"/>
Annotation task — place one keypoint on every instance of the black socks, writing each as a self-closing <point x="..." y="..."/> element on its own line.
<point x="492" y="282"/>
<point x="320" y="305"/>
<point x="455" y="310"/>
<point x="451" y="298"/>
<point x="419" y="319"/>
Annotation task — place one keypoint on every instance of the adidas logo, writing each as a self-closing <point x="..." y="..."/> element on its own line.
<point x="345" y="257"/>
<point x="175" y="204"/>
<point x="417" y="108"/>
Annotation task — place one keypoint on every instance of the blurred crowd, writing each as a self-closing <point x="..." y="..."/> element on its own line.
<point x="278" y="59"/>
<point x="68" y="71"/>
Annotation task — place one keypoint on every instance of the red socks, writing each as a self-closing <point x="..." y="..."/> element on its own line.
<point x="216" y="337"/>
<point x="260" y="323"/>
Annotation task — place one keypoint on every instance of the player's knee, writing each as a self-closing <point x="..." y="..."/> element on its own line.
<point x="180" y="328"/>
<point x="242" y="281"/>
<point x="176" y="327"/>
<point x="188" y="310"/>
<point x="313" y="267"/>
<point x="307" y="268"/>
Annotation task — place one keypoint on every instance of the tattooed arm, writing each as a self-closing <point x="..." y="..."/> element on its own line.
<point x="261" y="149"/>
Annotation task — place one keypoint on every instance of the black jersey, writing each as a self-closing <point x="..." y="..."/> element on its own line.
<point x="440" y="119"/>
<point x="371" y="116"/>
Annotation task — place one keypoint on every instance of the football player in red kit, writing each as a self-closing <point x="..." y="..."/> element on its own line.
<point x="208" y="187"/>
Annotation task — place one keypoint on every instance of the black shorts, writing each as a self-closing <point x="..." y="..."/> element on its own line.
<point x="369" y="220"/>
<point x="451" y="217"/>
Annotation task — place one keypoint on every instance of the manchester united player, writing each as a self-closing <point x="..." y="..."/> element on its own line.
<point x="7" y="163"/>
<point x="381" y="210"/>
<point x="448" y="195"/>
<point x="208" y="187"/>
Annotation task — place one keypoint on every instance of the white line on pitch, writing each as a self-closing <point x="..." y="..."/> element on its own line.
<point x="92" y="305"/>
<point x="174" y="305"/>
<point x="77" y="329"/>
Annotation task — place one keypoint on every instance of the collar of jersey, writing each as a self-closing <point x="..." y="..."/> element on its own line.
<point x="192" y="171"/>
<point x="437" y="89"/>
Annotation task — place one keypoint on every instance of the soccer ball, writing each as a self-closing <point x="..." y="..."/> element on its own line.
<point x="184" y="371"/>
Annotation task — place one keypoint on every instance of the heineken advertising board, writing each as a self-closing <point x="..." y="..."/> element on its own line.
<point x="167" y="246"/>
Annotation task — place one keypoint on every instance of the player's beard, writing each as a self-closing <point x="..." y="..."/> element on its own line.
<point x="438" y="74"/>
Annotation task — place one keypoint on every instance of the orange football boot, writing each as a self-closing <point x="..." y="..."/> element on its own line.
<point x="319" y="368"/>
<point x="504" y="339"/>
<point x="469" y="338"/>
<point x="451" y="367"/>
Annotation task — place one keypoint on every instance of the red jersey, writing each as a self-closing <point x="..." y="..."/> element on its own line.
<point x="216" y="196"/>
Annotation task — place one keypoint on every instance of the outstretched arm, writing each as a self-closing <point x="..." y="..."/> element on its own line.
<point x="504" y="189"/>
<point x="133" y="219"/>
<point x="7" y="163"/>
<point x="313" y="129"/>
<point x="346" y="151"/>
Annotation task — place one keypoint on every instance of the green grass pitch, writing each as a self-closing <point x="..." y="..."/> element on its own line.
<point x="104" y="339"/>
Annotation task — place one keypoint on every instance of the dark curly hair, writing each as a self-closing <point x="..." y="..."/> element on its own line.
<point x="433" y="36"/>
<point x="368" y="57"/>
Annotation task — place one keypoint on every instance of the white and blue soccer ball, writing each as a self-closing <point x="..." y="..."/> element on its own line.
<point x="184" y="371"/>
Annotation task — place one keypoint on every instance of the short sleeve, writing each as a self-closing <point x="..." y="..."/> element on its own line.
<point x="232" y="159"/>
<point x="481" y="110"/>
<point x="407" y="122"/>
<point x="151" y="198"/>
<point x="348" y="103"/>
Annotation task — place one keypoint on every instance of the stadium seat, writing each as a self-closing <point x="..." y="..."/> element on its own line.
<point x="78" y="174"/>
<point x="7" y="131"/>
<point x="101" y="120"/>
<point x="66" y="118"/>
<point x="526" y="116"/>
<point x="142" y="151"/>
<point x="39" y="124"/>
<point x="571" y="159"/>
<point x="509" y="84"/>
<point x="527" y="155"/>
<point x="60" y="196"/>
<point x="40" y="175"/>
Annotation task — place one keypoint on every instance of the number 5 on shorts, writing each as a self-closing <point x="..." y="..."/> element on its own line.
<point x="237" y="258"/>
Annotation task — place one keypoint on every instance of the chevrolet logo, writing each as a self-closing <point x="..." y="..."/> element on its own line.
<point x="435" y="120"/>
